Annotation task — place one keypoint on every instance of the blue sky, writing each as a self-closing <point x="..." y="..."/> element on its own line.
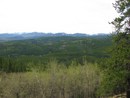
<point x="70" y="16"/>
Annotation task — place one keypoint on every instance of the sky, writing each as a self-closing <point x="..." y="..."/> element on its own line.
<point x="69" y="16"/>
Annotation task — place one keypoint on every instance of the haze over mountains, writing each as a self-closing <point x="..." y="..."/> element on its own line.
<point x="32" y="35"/>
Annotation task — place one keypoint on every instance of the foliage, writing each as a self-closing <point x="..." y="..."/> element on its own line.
<point x="64" y="48"/>
<point x="68" y="77"/>
<point x="117" y="69"/>
<point x="57" y="81"/>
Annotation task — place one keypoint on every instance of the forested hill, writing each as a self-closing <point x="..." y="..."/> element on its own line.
<point x="59" y="47"/>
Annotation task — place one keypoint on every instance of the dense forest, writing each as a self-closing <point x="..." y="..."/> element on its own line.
<point x="53" y="67"/>
<point x="64" y="49"/>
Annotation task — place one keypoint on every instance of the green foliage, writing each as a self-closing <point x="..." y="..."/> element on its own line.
<point x="117" y="70"/>
<point x="64" y="49"/>
<point x="7" y="64"/>
<point x="68" y="77"/>
<point x="57" y="81"/>
<point x="113" y="82"/>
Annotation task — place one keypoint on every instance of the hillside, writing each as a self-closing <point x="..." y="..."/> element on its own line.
<point x="59" y="47"/>
<point x="64" y="64"/>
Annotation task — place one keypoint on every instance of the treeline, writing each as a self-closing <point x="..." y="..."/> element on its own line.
<point x="22" y="63"/>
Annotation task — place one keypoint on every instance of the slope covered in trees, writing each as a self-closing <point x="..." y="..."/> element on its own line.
<point x="18" y="55"/>
<point x="52" y="67"/>
<point x="58" y="47"/>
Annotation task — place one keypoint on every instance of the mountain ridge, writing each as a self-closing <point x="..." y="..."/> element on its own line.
<point x="33" y="35"/>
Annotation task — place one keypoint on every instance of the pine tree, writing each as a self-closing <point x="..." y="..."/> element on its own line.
<point x="117" y="73"/>
<point x="121" y="49"/>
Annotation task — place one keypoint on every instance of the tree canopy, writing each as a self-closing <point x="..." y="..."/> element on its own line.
<point x="121" y="50"/>
<point x="117" y="72"/>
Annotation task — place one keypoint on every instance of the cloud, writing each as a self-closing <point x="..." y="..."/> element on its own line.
<point x="70" y="16"/>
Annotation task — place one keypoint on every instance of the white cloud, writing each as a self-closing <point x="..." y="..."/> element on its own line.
<point x="70" y="16"/>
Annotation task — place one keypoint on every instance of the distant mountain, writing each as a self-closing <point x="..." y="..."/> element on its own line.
<point x="33" y="35"/>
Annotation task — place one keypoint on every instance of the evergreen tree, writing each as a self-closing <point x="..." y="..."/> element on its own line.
<point x="117" y="72"/>
<point x="121" y="50"/>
